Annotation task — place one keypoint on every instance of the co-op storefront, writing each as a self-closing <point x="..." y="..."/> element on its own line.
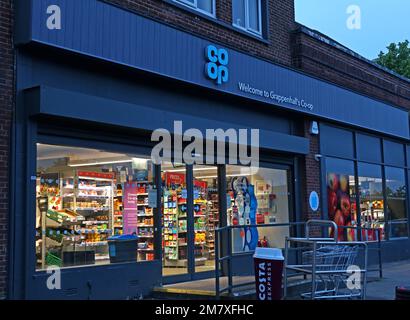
<point x="88" y="98"/>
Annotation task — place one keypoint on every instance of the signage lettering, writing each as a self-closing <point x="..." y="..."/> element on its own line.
<point x="216" y="67"/>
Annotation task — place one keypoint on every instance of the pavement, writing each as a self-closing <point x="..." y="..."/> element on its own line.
<point x="394" y="274"/>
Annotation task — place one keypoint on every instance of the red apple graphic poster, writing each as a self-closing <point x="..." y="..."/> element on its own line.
<point x="339" y="203"/>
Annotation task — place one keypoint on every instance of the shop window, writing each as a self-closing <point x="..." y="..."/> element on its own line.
<point x="247" y="15"/>
<point x="91" y="205"/>
<point x="369" y="148"/>
<point x="396" y="194"/>
<point x="257" y="198"/>
<point x="336" y="142"/>
<point x="393" y="153"/>
<point x="204" y="6"/>
<point x="371" y="199"/>
<point x="341" y="197"/>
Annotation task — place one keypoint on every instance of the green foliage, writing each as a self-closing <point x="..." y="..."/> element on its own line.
<point x="397" y="58"/>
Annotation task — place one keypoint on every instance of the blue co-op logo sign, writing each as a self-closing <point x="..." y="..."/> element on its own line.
<point x="216" y="67"/>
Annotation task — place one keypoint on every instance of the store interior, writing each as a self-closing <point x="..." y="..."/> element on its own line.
<point x="86" y="197"/>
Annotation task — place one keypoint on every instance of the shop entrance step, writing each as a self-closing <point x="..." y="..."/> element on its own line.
<point x="205" y="289"/>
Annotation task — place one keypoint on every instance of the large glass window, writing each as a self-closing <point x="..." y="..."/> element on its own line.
<point x="91" y="207"/>
<point x="260" y="197"/>
<point x="396" y="194"/>
<point x="247" y="15"/>
<point x="204" y="6"/>
<point x="368" y="148"/>
<point x="393" y="153"/>
<point x="341" y="196"/>
<point x="371" y="198"/>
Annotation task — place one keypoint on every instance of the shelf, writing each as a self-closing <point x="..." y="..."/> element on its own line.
<point x="93" y="209"/>
<point x="142" y="194"/>
<point x="145" y="215"/>
<point x="93" y="244"/>
<point x="145" y="226"/>
<point x="94" y="222"/>
<point x="147" y="249"/>
<point x="91" y="196"/>
<point x="93" y="188"/>
<point x="142" y="236"/>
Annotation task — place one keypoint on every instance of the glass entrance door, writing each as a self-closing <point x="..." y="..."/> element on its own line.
<point x="175" y="244"/>
<point x="206" y="216"/>
<point x="191" y="212"/>
<point x="189" y="220"/>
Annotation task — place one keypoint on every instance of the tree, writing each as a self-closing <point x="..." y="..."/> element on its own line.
<point x="397" y="58"/>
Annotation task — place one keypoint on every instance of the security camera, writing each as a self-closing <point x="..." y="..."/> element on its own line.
<point x="318" y="157"/>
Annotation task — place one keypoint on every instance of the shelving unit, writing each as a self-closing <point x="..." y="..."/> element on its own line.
<point x="200" y="228"/>
<point x="212" y="223"/>
<point x="89" y="195"/>
<point x="175" y="229"/>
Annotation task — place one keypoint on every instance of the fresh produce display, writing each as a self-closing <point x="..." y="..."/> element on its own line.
<point x="341" y="204"/>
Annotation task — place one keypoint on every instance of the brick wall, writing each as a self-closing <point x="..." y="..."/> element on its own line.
<point x="6" y="107"/>
<point x="322" y="57"/>
<point x="281" y="22"/>
<point x="310" y="177"/>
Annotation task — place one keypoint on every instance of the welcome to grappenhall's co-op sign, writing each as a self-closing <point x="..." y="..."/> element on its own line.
<point x="216" y="69"/>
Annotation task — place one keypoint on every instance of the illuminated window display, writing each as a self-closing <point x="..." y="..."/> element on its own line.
<point x="85" y="199"/>
<point x="260" y="197"/>
<point x="341" y="197"/>
<point x="371" y="198"/>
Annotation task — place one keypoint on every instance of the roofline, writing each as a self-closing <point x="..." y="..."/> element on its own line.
<point x="329" y="41"/>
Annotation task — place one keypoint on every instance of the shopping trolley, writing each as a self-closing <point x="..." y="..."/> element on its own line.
<point x="337" y="270"/>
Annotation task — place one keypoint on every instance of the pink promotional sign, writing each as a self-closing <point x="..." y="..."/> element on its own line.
<point x="130" y="221"/>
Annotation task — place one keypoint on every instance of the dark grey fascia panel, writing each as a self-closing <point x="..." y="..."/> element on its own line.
<point x="102" y="31"/>
<point x="47" y="101"/>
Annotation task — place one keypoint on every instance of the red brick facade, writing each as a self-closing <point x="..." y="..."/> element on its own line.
<point x="322" y="57"/>
<point x="277" y="48"/>
<point x="6" y="109"/>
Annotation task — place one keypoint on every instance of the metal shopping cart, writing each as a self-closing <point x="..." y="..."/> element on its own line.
<point x="337" y="270"/>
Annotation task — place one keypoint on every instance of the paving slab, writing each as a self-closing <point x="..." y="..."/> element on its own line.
<point x="394" y="274"/>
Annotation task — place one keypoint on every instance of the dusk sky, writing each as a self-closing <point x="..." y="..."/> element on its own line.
<point x="382" y="22"/>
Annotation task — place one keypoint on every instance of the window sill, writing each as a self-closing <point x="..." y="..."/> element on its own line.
<point x="248" y="33"/>
<point x="192" y="10"/>
<point x="218" y="22"/>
